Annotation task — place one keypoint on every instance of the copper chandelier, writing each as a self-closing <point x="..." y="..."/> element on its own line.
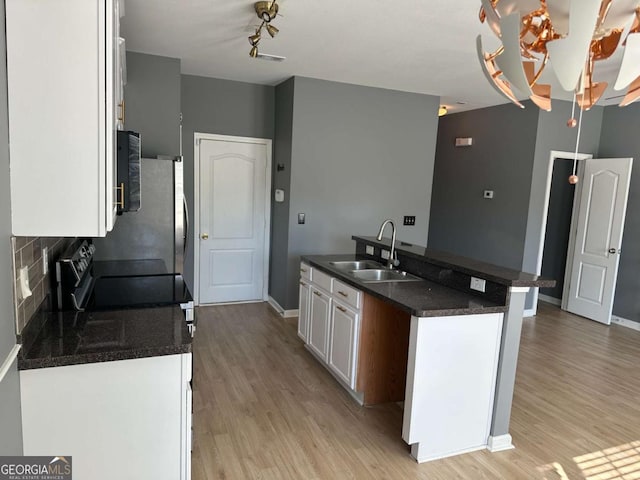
<point x="570" y="37"/>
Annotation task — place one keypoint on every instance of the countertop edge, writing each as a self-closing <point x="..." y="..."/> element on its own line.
<point x="89" y="358"/>
<point x="417" y="313"/>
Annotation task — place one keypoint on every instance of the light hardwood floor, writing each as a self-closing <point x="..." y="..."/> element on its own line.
<point x="264" y="407"/>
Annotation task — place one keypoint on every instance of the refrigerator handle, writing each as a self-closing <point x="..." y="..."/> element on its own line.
<point x="186" y="224"/>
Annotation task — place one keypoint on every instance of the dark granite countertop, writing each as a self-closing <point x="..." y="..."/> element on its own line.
<point x="421" y="298"/>
<point x="487" y="271"/>
<point x="54" y="339"/>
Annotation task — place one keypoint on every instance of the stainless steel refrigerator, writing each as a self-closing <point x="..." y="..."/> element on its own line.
<point x="156" y="234"/>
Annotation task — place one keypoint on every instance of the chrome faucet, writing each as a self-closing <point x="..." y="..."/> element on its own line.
<point x="393" y="256"/>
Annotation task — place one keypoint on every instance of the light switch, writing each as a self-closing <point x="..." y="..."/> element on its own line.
<point x="279" y="195"/>
<point x="23" y="284"/>
<point x="488" y="194"/>
<point x="301" y="218"/>
<point x="45" y="260"/>
<point x="478" y="284"/>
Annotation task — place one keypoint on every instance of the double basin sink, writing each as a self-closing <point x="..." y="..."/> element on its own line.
<point x="369" y="271"/>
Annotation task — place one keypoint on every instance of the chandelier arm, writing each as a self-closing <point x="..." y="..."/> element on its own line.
<point x="540" y="70"/>
<point x="491" y="56"/>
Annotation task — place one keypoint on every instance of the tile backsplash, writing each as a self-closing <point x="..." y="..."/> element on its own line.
<point x="27" y="252"/>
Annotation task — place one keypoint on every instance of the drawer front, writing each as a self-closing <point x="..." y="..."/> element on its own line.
<point x="322" y="280"/>
<point x="306" y="271"/>
<point x="346" y="294"/>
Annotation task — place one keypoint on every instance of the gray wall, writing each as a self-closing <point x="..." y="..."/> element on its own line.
<point x="553" y="134"/>
<point x="619" y="138"/>
<point x="222" y="107"/>
<point x="10" y="424"/>
<point x="359" y="155"/>
<point x="152" y="97"/>
<point x="282" y="144"/>
<point x="501" y="159"/>
<point x="556" y="239"/>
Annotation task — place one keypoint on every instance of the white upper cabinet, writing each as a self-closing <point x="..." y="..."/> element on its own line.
<point x="63" y="73"/>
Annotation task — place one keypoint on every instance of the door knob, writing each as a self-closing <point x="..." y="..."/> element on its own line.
<point x="204" y="236"/>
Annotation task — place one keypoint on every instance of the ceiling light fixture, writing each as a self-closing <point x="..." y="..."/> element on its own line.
<point x="442" y="111"/>
<point x="572" y="36"/>
<point x="266" y="11"/>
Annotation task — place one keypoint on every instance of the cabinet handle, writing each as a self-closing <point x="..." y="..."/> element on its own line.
<point x="342" y="293"/>
<point x="120" y="203"/>
<point x="342" y="309"/>
<point x="317" y="293"/>
<point x="303" y="270"/>
<point x="122" y="112"/>
<point x="303" y="284"/>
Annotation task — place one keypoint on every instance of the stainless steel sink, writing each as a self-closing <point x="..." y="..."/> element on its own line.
<point x="382" y="275"/>
<point x="356" y="265"/>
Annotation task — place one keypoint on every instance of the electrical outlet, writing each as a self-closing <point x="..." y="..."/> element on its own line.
<point x="370" y="250"/>
<point x="409" y="220"/>
<point x="45" y="260"/>
<point x="478" y="284"/>
<point x="385" y="254"/>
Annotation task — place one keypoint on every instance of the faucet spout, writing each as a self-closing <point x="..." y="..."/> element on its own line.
<point x="393" y="256"/>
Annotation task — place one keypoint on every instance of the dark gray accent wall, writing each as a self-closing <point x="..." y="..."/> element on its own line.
<point x="556" y="239"/>
<point x="552" y="133"/>
<point x="10" y="417"/>
<point x="281" y="179"/>
<point x="223" y="107"/>
<point x="500" y="159"/>
<point x="152" y="97"/>
<point x="359" y="155"/>
<point x="619" y="138"/>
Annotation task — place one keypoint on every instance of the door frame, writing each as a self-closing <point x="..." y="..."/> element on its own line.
<point x="197" y="137"/>
<point x="553" y="155"/>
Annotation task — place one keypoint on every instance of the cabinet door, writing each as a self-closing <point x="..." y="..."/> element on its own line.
<point x="303" y="315"/>
<point x="342" y="344"/>
<point x="319" y="312"/>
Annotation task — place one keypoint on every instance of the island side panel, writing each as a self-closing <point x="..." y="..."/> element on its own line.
<point x="451" y="377"/>
<point x="511" y="330"/>
<point x="382" y="356"/>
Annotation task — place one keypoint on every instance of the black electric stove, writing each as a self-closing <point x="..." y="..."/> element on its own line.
<point x="83" y="286"/>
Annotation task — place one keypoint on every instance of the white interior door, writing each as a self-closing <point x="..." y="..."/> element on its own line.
<point x="233" y="209"/>
<point x="594" y="268"/>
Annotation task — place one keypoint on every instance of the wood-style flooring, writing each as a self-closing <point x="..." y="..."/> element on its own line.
<point x="264" y="408"/>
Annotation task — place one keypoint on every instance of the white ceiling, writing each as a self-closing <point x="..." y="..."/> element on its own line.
<point x="410" y="45"/>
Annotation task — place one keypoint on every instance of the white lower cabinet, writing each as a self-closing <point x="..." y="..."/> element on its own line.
<point x="319" y="318"/>
<point x="126" y="419"/>
<point x="342" y="343"/>
<point x="329" y="322"/>
<point x="303" y="309"/>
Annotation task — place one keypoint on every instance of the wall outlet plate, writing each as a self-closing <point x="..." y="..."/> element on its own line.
<point x="478" y="284"/>
<point x="409" y="220"/>
<point x="370" y="250"/>
<point x="488" y="194"/>
<point x="301" y="218"/>
<point x="385" y="254"/>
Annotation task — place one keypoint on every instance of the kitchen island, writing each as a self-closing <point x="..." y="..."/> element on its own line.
<point x="447" y="351"/>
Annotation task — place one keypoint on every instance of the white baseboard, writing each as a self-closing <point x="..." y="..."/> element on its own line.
<point x="421" y="458"/>
<point x="11" y="357"/>
<point x="500" y="443"/>
<point x="552" y="300"/>
<point x="278" y="308"/>
<point x="530" y="312"/>
<point x="625" y="323"/>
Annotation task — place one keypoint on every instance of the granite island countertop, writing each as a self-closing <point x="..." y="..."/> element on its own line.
<point x="422" y="298"/>
<point x="470" y="266"/>
<point x="54" y="339"/>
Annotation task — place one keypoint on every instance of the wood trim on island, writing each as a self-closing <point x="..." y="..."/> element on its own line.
<point x="382" y="357"/>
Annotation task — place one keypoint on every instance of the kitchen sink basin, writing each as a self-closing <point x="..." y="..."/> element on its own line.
<point x="356" y="265"/>
<point x="382" y="275"/>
